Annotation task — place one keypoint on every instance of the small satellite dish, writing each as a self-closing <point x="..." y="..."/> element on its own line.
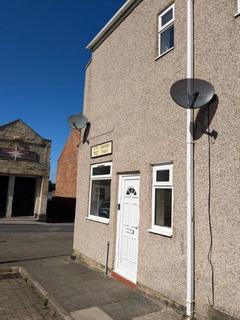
<point x="192" y="93"/>
<point x="77" y="121"/>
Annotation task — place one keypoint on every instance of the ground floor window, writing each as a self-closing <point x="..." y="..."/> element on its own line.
<point x="162" y="200"/>
<point x="100" y="191"/>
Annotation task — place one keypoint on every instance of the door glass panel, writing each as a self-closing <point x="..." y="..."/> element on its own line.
<point x="131" y="191"/>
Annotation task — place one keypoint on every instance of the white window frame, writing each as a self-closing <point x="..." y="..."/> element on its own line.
<point x="163" y="230"/>
<point x="98" y="177"/>
<point x="237" y="6"/>
<point x="163" y="28"/>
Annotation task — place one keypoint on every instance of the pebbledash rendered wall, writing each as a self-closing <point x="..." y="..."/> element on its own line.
<point x="217" y="49"/>
<point x="127" y="100"/>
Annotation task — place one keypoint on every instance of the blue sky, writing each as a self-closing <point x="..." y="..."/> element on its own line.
<point x="42" y="61"/>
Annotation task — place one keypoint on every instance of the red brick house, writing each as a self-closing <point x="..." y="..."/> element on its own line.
<point x="62" y="205"/>
<point x="67" y="167"/>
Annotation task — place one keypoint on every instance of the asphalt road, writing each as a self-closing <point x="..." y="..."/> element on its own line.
<point x="26" y="242"/>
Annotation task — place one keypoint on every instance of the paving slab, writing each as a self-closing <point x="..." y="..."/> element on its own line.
<point x="165" y="314"/>
<point x="127" y="309"/>
<point x="90" y="314"/>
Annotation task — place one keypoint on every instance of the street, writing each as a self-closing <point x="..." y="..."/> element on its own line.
<point x="24" y="242"/>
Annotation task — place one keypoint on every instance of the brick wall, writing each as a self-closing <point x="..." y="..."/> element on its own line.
<point x="67" y="167"/>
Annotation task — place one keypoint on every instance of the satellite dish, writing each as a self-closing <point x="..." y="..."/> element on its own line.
<point x="77" y="121"/>
<point x="192" y="93"/>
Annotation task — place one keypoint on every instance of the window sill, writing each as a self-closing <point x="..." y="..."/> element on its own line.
<point x="237" y="15"/>
<point x="163" y="54"/>
<point x="167" y="232"/>
<point x="98" y="219"/>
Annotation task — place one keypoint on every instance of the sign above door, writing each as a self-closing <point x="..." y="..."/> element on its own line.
<point x="102" y="149"/>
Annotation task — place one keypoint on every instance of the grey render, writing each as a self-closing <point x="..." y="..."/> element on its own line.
<point x="18" y="133"/>
<point x="127" y="100"/>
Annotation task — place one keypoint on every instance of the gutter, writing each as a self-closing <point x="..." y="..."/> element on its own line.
<point x="115" y="21"/>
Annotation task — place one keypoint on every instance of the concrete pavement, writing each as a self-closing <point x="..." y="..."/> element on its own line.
<point x="86" y="294"/>
<point x="83" y="293"/>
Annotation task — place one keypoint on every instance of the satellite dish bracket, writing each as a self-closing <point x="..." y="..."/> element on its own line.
<point x="213" y="134"/>
<point x="75" y="127"/>
<point x="86" y="132"/>
<point x="195" y="96"/>
<point x="86" y="128"/>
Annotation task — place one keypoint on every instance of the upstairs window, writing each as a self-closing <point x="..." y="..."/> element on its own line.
<point x="162" y="200"/>
<point x="100" y="192"/>
<point x="166" y="30"/>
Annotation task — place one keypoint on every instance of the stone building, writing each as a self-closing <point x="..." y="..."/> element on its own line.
<point x="131" y="189"/>
<point x="24" y="171"/>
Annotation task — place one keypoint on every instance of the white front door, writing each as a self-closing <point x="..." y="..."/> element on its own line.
<point x="128" y="227"/>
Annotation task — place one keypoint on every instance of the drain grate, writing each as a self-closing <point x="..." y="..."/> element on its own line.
<point x="8" y="276"/>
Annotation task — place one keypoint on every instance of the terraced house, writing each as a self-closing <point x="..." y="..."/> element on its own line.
<point x="131" y="190"/>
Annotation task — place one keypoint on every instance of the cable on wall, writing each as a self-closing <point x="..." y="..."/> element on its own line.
<point x="211" y="300"/>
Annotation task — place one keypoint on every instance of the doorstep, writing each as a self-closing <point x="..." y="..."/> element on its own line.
<point x="123" y="280"/>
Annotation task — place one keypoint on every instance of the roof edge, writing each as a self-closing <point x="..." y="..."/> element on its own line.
<point x="20" y="120"/>
<point x="113" y="23"/>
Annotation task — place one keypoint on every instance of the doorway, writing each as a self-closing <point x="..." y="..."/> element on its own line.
<point x="128" y="227"/>
<point x="3" y="195"/>
<point x="24" y="196"/>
